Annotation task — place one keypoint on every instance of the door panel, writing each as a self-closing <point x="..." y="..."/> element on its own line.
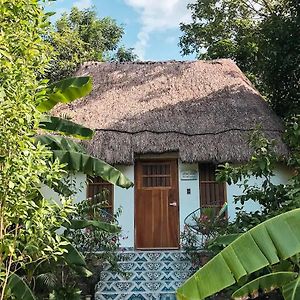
<point x="156" y="205"/>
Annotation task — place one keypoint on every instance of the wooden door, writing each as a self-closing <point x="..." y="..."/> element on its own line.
<point x="156" y="205"/>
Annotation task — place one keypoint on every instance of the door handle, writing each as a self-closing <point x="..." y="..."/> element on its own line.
<point x="173" y="204"/>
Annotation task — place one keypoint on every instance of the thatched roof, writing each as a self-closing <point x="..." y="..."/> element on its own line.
<point x="205" y="110"/>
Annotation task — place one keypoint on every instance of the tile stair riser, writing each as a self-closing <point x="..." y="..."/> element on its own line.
<point x="150" y="275"/>
<point x="137" y="296"/>
<point x="139" y="286"/>
<point x="154" y="266"/>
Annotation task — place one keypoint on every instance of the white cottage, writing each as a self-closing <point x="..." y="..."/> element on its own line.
<point x="166" y="125"/>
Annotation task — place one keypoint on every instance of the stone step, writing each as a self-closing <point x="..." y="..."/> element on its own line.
<point x="135" y="296"/>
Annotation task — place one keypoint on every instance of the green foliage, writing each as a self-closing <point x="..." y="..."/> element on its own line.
<point x="95" y="237"/>
<point x="68" y="152"/>
<point x="80" y="162"/>
<point x="269" y="243"/>
<point x="275" y="200"/>
<point x="66" y="127"/>
<point x="65" y="293"/>
<point x="65" y="91"/>
<point x="75" y="259"/>
<point x="54" y="142"/>
<point x="123" y="55"/>
<point x="201" y="229"/>
<point x="96" y="244"/>
<point x="19" y="288"/>
<point x="264" y="284"/>
<point x="262" y="37"/>
<point x="291" y="291"/>
<point x="81" y="36"/>
<point x="28" y="222"/>
<point x="64" y="150"/>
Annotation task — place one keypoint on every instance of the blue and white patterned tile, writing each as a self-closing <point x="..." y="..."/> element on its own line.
<point x="152" y="275"/>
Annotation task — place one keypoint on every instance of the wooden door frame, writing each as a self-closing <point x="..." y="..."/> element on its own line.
<point x="156" y="159"/>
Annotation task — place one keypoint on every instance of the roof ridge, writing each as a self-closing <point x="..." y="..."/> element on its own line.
<point x="152" y="62"/>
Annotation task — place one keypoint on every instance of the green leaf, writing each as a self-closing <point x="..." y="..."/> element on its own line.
<point x="265" y="283"/>
<point x="266" y="244"/>
<point x="59" y="143"/>
<point x="291" y="291"/>
<point x="223" y="209"/>
<point x="5" y="54"/>
<point x="76" y="261"/>
<point x="80" y="224"/>
<point x="73" y="256"/>
<point x="60" y="188"/>
<point x="66" y="127"/>
<point x="89" y="165"/>
<point x="82" y="271"/>
<point x="66" y="91"/>
<point x="19" y="288"/>
<point x="224" y="240"/>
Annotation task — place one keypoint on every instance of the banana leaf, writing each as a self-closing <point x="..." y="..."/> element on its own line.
<point x="265" y="283"/>
<point x="291" y="291"/>
<point x="66" y="127"/>
<point x="222" y="241"/>
<point x="81" y="224"/>
<point x="73" y="256"/>
<point x="66" y="91"/>
<point x="59" y="143"/>
<point x="89" y="165"/>
<point x="266" y="244"/>
<point x="19" y="288"/>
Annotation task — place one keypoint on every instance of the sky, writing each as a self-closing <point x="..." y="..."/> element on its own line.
<point x="151" y="26"/>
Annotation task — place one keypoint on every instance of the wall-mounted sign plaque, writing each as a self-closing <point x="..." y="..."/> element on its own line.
<point x="189" y="175"/>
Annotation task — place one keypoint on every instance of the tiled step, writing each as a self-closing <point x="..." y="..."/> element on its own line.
<point x="138" y="286"/>
<point x="136" y="296"/>
<point x="107" y="276"/>
<point x="167" y="266"/>
<point x="147" y="275"/>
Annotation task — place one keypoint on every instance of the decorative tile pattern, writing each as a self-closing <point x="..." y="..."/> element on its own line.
<point x="151" y="275"/>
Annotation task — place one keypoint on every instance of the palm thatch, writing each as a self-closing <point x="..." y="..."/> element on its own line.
<point x="204" y="110"/>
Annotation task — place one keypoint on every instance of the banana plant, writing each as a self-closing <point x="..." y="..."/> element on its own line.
<point x="19" y="288"/>
<point x="265" y="245"/>
<point x="265" y="283"/>
<point x="66" y="150"/>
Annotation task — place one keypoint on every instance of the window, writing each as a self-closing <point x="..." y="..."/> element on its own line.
<point x="156" y="175"/>
<point x="212" y="193"/>
<point x="101" y="191"/>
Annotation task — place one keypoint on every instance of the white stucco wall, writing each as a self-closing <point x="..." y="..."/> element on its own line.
<point x="189" y="196"/>
<point x="124" y="198"/>
<point x="187" y="202"/>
